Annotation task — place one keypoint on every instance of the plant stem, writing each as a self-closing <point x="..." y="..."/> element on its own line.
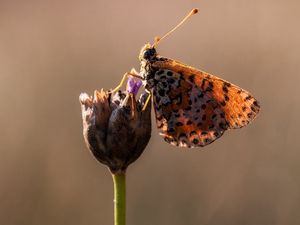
<point x="119" y="198"/>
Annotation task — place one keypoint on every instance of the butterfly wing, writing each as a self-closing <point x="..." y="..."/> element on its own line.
<point x="194" y="108"/>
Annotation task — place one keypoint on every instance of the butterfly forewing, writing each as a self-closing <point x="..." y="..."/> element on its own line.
<point x="194" y="108"/>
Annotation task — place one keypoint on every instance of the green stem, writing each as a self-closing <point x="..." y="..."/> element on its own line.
<point x="119" y="199"/>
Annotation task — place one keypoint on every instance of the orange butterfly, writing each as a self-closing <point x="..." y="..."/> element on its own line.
<point x="193" y="108"/>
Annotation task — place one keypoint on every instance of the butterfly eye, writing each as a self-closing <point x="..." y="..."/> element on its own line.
<point x="152" y="51"/>
<point x="149" y="53"/>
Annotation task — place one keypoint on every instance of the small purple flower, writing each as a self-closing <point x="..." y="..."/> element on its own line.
<point x="115" y="128"/>
<point x="133" y="85"/>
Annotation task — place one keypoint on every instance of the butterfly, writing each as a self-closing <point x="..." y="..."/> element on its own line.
<point x="192" y="108"/>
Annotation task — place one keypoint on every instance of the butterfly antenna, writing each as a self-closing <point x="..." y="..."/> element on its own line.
<point x="158" y="39"/>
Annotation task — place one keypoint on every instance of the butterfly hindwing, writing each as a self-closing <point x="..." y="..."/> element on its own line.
<point x="185" y="115"/>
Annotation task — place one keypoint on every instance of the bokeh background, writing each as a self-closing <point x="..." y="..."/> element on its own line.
<point x="51" y="51"/>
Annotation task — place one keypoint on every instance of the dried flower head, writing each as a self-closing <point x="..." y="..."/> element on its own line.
<point x="115" y="127"/>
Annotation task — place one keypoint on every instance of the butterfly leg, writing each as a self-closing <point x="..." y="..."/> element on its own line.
<point x="131" y="73"/>
<point x="147" y="100"/>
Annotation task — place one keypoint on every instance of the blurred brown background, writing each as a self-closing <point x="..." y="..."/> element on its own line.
<point x="51" y="51"/>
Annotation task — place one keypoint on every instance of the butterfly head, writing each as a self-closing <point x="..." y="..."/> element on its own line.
<point x="148" y="53"/>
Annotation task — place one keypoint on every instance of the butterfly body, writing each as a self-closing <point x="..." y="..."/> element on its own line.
<point x="193" y="108"/>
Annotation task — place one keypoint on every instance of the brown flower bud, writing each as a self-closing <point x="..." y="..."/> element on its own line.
<point x="115" y="127"/>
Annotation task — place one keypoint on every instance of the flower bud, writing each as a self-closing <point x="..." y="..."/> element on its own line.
<point x="115" y="128"/>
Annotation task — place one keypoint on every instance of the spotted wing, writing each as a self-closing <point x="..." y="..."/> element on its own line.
<point x="194" y="108"/>
<point x="185" y="114"/>
<point x="238" y="105"/>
